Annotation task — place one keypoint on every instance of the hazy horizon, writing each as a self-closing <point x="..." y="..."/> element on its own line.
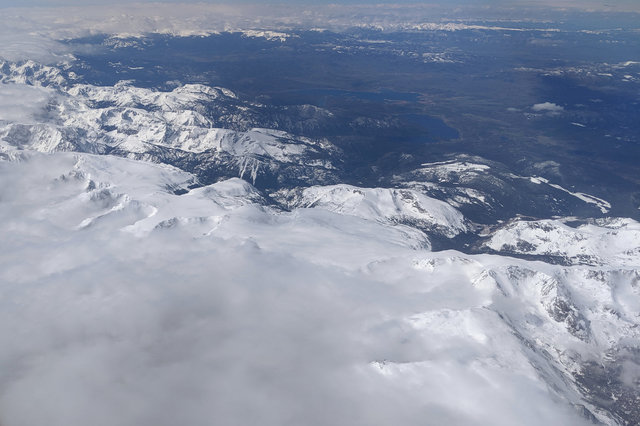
<point x="623" y="5"/>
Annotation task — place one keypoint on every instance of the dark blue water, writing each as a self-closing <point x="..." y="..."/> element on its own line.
<point x="431" y="128"/>
<point x="435" y="127"/>
<point x="322" y="94"/>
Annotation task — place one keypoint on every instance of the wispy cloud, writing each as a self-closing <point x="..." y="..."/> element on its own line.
<point x="22" y="104"/>
<point x="549" y="107"/>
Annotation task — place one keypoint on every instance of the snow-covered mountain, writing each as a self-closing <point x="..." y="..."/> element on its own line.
<point x="196" y="127"/>
<point x="609" y="241"/>
<point x="213" y="133"/>
<point x="389" y="205"/>
<point x="489" y="190"/>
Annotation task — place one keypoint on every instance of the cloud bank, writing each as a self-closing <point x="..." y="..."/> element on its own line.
<point x="164" y="309"/>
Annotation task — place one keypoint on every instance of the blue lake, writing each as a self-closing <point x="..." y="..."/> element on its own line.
<point x="435" y="127"/>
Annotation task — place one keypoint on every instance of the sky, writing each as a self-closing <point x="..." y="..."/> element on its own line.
<point x="609" y="5"/>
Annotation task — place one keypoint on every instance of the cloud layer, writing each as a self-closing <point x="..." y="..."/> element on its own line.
<point x="549" y="107"/>
<point x="228" y="313"/>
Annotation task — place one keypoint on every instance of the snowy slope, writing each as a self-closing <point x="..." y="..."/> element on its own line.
<point x="611" y="242"/>
<point x="388" y="205"/>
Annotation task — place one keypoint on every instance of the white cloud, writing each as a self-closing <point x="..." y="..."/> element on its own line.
<point x="547" y="107"/>
<point x="236" y="314"/>
<point x="36" y="33"/>
<point x="22" y="104"/>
